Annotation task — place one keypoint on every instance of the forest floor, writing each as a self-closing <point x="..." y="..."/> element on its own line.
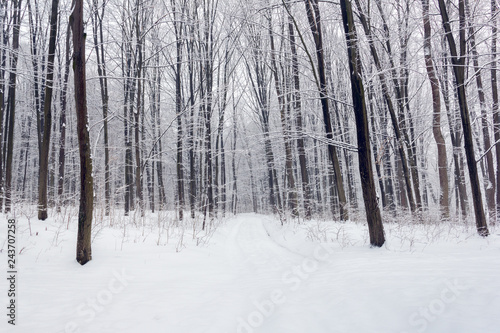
<point x="250" y="274"/>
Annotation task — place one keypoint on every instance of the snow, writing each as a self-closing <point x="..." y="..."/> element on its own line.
<point x="252" y="275"/>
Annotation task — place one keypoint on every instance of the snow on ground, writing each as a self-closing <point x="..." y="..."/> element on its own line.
<point x="252" y="275"/>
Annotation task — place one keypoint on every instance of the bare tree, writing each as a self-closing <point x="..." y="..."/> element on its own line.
<point x="11" y="114"/>
<point x="314" y="18"/>
<point x="97" y="20"/>
<point x="83" y="246"/>
<point x="373" y="216"/>
<point x="458" y="62"/>
<point x="47" y="115"/>
<point x="279" y="86"/>
<point x="436" y="107"/>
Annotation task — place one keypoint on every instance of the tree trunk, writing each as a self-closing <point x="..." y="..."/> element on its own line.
<point x="288" y="147"/>
<point x="178" y="28"/>
<point x="83" y="247"/>
<point x="16" y="23"/>
<point x="390" y="106"/>
<point x="458" y="62"/>
<point x="436" y="107"/>
<point x="47" y="115"/>
<point x="373" y="216"/>
<point x="297" y="106"/>
<point x="489" y="172"/>
<point x="313" y="15"/>
<point x="103" y="82"/>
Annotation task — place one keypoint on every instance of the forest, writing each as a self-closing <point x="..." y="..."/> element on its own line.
<point x="328" y="117"/>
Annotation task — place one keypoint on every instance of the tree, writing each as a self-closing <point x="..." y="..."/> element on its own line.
<point x="83" y="246"/>
<point x="177" y="21"/>
<point x="297" y="106"/>
<point x="279" y="86"/>
<point x="458" y="62"/>
<point x="62" y="121"/>
<point x="47" y="115"/>
<point x="11" y="114"/>
<point x="390" y="106"/>
<point x="436" y="107"/>
<point x="97" y="20"/>
<point x="373" y="216"/>
<point x="314" y="18"/>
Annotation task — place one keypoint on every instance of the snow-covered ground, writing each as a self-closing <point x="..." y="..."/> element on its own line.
<point x="252" y="275"/>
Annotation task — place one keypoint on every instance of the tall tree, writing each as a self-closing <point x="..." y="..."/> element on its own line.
<point x="16" y="23"/>
<point x="458" y="62"/>
<point x="177" y="21"/>
<point x="314" y="18"/>
<point x="400" y="135"/>
<point x="97" y="20"/>
<point x="489" y="170"/>
<point x="373" y="216"/>
<point x="83" y="246"/>
<point x="47" y="115"/>
<point x="436" y="115"/>
<point x="279" y="86"/>
<point x="62" y="121"/>
<point x="297" y="106"/>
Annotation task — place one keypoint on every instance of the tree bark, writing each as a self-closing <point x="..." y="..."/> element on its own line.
<point x="390" y="106"/>
<point x="83" y="247"/>
<point x="16" y="23"/>
<point x="297" y="106"/>
<point x="47" y="115"/>
<point x="436" y="107"/>
<point x="178" y="28"/>
<point x="284" y="126"/>
<point x="458" y="62"/>
<point x="314" y="18"/>
<point x="373" y="216"/>
<point x="103" y="82"/>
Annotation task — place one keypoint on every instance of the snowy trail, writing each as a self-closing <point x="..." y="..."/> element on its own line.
<point x="251" y="279"/>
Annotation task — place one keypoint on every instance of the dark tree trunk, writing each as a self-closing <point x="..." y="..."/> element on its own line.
<point x="313" y="15"/>
<point x="488" y="170"/>
<point x="373" y="216"/>
<point x="83" y="247"/>
<point x="16" y="23"/>
<point x="47" y="115"/>
<point x="178" y="28"/>
<point x="139" y="110"/>
<point x="458" y="62"/>
<point x="191" y="153"/>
